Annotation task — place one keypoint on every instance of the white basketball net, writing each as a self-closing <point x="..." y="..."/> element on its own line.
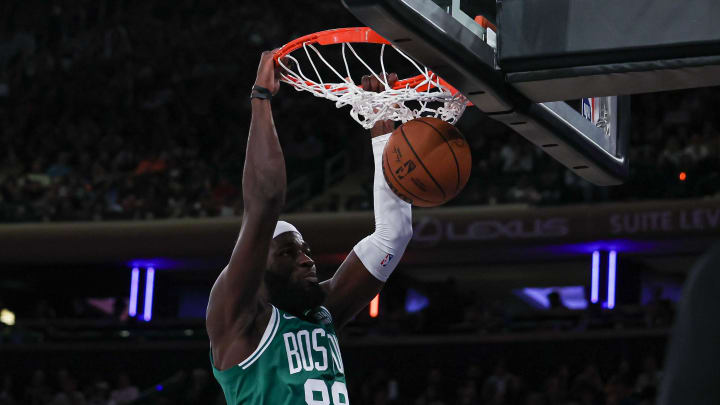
<point x="366" y="107"/>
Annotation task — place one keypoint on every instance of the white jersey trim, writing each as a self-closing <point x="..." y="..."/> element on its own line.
<point x="332" y="320"/>
<point x="267" y="337"/>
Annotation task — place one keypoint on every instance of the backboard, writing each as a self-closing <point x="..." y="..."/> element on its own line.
<point x="445" y="36"/>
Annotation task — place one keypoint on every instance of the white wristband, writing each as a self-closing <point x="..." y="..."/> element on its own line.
<point x="381" y="251"/>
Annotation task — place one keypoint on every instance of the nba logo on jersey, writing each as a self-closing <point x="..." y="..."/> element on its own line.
<point x="386" y="260"/>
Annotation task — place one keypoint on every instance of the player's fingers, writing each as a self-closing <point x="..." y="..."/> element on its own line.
<point x="267" y="59"/>
<point x="270" y="54"/>
<point x="286" y="62"/>
<point x="375" y="84"/>
<point x="392" y="78"/>
<point x="365" y="83"/>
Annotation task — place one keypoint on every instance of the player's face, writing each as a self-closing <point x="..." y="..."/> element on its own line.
<point x="291" y="276"/>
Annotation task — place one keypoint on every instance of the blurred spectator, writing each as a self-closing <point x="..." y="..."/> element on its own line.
<point x="535" y="398"/>
<point x="43" y="310"/>
<point x="672" y="154"/>
<point x="125" y="392"/>
<point x="501" y="388"/>
<point x="619" y="390"/>
<point x="468" y="394"/>
<point x="589" y="377"/>
<point x="659" y="311"/>
<point x="69" y="393"/>
<point x="7" y="394"/>
<point x="38" y="392"/>
<point x="379" y="388"/>
<point x="554" y="394"/>
<point x="651" y="376"/>
<point x="201" y="388"/>
<point x="434" y="392"/>
<point x="98" y="393"/>
<point x="151" y="164"/>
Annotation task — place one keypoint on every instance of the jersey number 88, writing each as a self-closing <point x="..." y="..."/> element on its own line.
<point x="314" y="386"/>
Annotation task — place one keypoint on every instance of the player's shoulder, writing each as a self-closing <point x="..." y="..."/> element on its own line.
<point x="240" y="345"/>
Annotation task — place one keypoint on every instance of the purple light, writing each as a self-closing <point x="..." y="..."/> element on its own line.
<point x="612" y="268"/>
<point x="159" y="387"/>
<point x="572" y="296"/>
<point x="149" y="281"/>
<point x="620" y="245"/>
<point x="595" y="286"/>
<point x="415" y="302"/>
<point x="134" y="279"/>
<point x="537" y="296"/>
<point x="166" y="263"/>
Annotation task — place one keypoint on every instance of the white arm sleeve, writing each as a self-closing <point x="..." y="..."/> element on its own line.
<point x="381" y="251"/>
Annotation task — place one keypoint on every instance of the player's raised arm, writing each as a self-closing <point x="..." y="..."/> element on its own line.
<point x="367" y="267"/>
<point x="234" y="302"/>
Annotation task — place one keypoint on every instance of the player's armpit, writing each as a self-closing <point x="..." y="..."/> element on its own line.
<point x="350" y="290"/>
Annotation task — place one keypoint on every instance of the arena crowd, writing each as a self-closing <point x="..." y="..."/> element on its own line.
<point x="477" y="384"/>
<point x="137" y="110"/>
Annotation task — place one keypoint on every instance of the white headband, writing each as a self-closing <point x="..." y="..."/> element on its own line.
<point x="283" y="227"/>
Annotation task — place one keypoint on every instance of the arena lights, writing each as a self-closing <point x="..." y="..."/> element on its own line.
<point x="682" y="176"/>
<point x="607" y="284"/>
<point x="149" y="284"/>
<point x="595" y="286"/>
<point x="375" y="306"/>
<point x="612" y="268"/>
<point x="135" y="291"/>
<point x="7" y="317"/>
<point x="134" y="280"/>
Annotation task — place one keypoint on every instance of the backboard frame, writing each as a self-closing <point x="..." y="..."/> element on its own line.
<point x="448" y="47"/>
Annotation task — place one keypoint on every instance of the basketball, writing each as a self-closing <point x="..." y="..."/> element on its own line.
<point x="426" y="162"/>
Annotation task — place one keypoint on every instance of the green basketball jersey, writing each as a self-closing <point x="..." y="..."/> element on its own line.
<point x="296" y="362"/>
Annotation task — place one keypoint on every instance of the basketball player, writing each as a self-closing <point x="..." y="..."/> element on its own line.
<point x="271" y="323"/>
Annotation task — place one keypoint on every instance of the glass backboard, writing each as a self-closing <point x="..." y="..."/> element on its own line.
<point x="588" y="136"/>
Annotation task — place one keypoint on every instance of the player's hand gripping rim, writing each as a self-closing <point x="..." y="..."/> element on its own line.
<point x="268" y="74"/>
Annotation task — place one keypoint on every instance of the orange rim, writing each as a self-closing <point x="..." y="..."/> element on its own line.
<point x="485" y="23"/>
<point x="356" y="35"/>
<point x="336" y="36"/>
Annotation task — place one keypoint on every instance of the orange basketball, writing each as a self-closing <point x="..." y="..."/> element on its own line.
<point x="426" y="162"/>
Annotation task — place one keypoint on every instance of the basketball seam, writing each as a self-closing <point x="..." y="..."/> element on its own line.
<point x="400" y="184"/>
<point x="422" y="164"/>
<point x="457" y="164"/>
